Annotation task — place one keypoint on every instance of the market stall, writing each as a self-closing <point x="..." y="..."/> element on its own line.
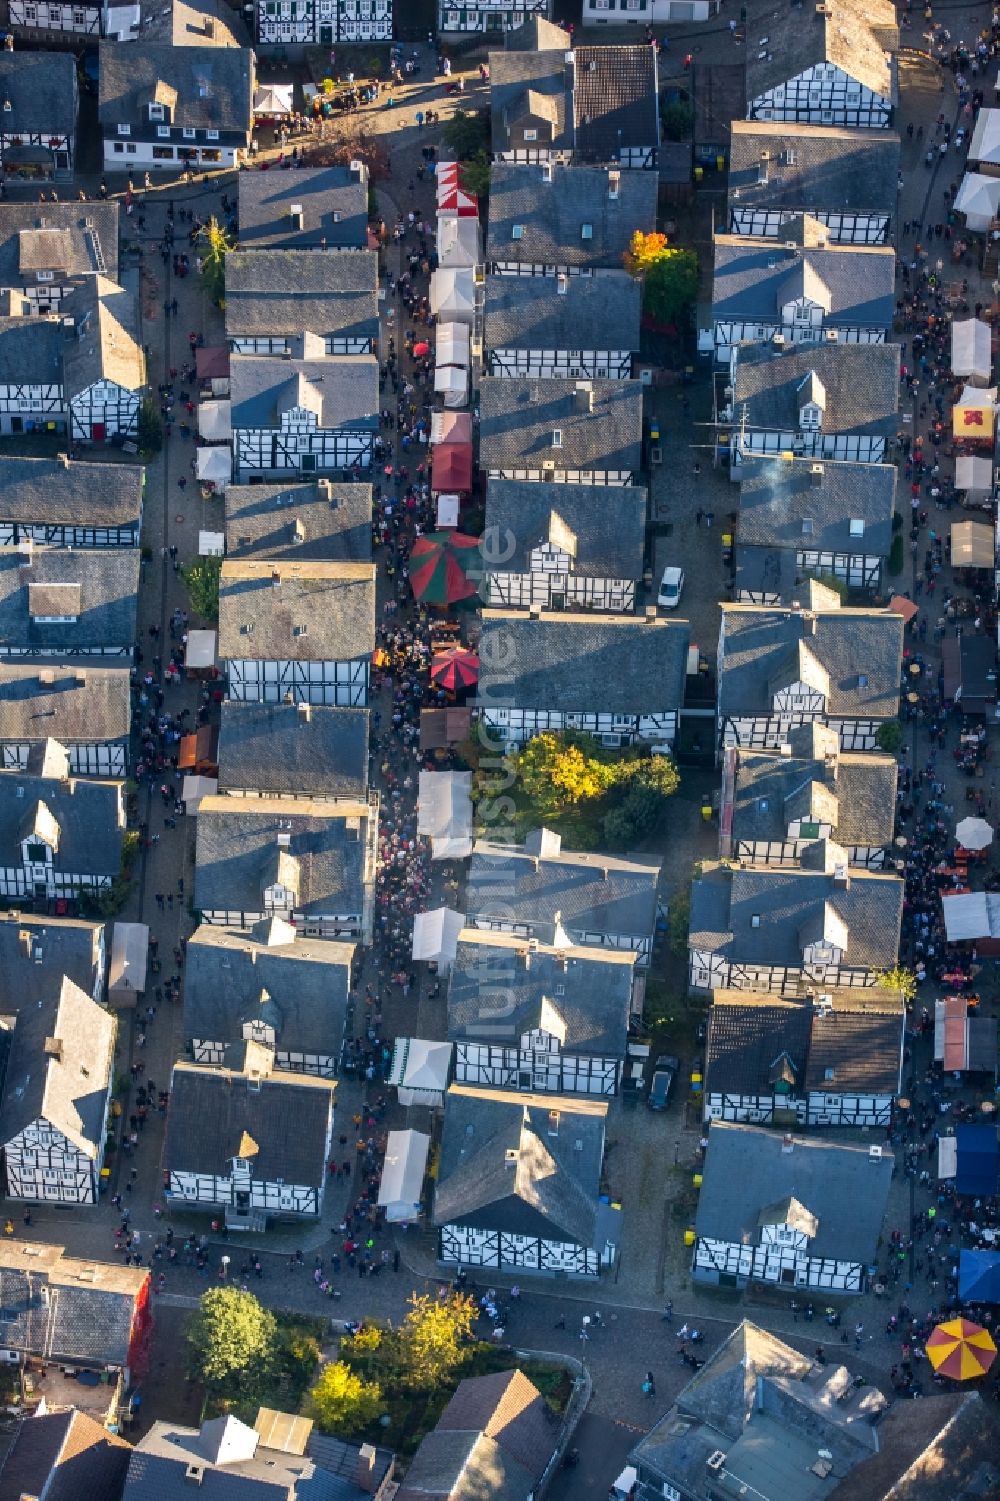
<point x="435" y="936"/>
<point x="972" y="545"/>
<point x="199" y="659"/>
<point x="974" y="474"/>
<point x="451" y="467"/>
<point x="971" y="351"/>
<point x="214" y="422"/>
<point x="453" y="294"/>
<point x="214" y="467"/>
<point x="403" y="1175"/>
<point x="444" y="813"/>
<point x="459" y="241"/>
<point x="420" y="1071"/>
<point x="978" y="198"/>
<point x="194" y="789"/>
<point x="129" y="959"/>
<point x="451" y="427"/>
<point x="451" y="383"/>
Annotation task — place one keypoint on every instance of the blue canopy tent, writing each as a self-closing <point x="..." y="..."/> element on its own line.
<point x="978" y="1158"/>
<point x="979" y="1276"/>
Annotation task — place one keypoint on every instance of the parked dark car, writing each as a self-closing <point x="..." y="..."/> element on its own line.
<point x="663" y="1078"/>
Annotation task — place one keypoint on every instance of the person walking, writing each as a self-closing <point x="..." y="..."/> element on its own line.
<point x="649" y="1385"/>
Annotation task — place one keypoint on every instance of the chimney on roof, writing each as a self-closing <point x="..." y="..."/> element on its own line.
<point x="80" y="677"/>
<point x="553" y="1123"/>
<point x="46" y="677"/>
<point x="26" y="552"/>
<point x="296" y="216"/>
<point x="534" y="612"/>
<point x="194" y="1474"/>
<point x="275" y="579"/>
<point x="357" y="170"/>
<point x="546" y="171"/>
<point x="842" y="877"/>
<point x="614" y="185"/>
<point x="569" y="62"/>
<point x="304" y="713"/>
<point x="815" y="474"/>
<point x="324" y="489"/>
<point x="210" y="26"/>
<point x="298" y="530"/>
<point x="583" y="396"/>
<point x="562" y="283"/>
<point x="366" y="1468"/>
<point x="53" y="1048"/>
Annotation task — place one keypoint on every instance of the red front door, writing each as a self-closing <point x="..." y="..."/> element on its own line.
<point x="98" y="432"/>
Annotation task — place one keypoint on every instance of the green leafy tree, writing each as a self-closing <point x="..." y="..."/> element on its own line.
<point x="342" y="1401"/>
<point x="678" y="119"/>
<point x="213" y="246"/>
<point x="202" y="580"/>
<point x="669" y="277"/>
<point x="889" y="736"/>
<point x="474" y="174"/>
<point x="231" y="1337"/>
<point x="467" y="134"/>
<point x="433" y="1338"/>
<point x="554" y="772"/>
<point x="899" y="978"/>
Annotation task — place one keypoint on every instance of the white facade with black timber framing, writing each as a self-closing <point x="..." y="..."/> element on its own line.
<point x="823" y="95"/>
<point x="562" y="364"/>
<point x="300" y="446"/>
<point x="87" y="758"/>
<point x="32" y="407"/>
<point x="708" y="970"/>
<point x="42" y="19"/>
<point x="799" y="322"/>
<point x="515" y="727"/>
<point x="799" y="705"/>
<point x="467" y="17"/>
<point x="501" y="1250"/>
<point x="340" y="684"/>
<point x="815" y="1109"/>
<point x="66" y="534"/>
<point x="536" y="1063"/>
<point x="759" y="222"/>
<point x="281" y="344"/>
<point x="782" y="1258"/>
<point x="322" y="22"/>
<point x="42" y="1165"/>
<point x="104" y="412"/>
<point x="552" y="585"/>
<point x="240" y="1192"/>
<point x="806" y="443"/>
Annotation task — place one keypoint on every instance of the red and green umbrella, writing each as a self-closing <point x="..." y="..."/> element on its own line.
<point x="440" y="565"/>
<point x="455" y="669"/>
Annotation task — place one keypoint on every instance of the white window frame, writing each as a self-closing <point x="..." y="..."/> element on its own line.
<point x="163" y="132"/>
<point x="124" y="130"/>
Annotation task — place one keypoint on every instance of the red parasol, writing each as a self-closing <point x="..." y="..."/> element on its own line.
<point x="455" y="669"/>
<point x="440" y="564"/>
<point x="421" y="349"/>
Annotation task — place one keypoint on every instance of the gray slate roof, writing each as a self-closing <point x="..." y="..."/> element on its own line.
<point x="211" y="1109"/>
<point x="754" y="279"/>
<point x="832" y="169"/>
<point x="619" y="664"/>
<point x="747" y="1169"/>
<point x="860" y="386"/>
<point x="552" y="215"/>
<point x="318" y="520"/>
<point x="70" y="1093"/>
<point x="519" y="416"/>
<point x="31" y="352"/>
<point x="87" y="1319"/>
<point x="855" y="37"/>
<point x="592" y="312"/>
<point x="90" y="838"/>
<point x="761" y="647"/>
<point x="83" y="703"/>
<point x="753" y="1041"/>
<point x="42" y="90"/>
<point x="552" y="1188"/>
<point x="537" y="83"/>
<point x="784" y="503"/>
<point x="494" y="1438"/>
<point x="341" y="390"/>
<point x="108" y="580"/>
<point x="300" y="749"/>
<point x="334" y="602"/>
<point x="58" y="492"/>
<point x="212" y="86"/>
<point x="55" y="237"/>
<point x="536" y="34"/>
<point x="299" y="987"/>
<point x="578" y="892"/>
<point x="857" y="1047"/>
<point x="266" y="199"/>
<point x="609" y="525"/>
<point x="105" y="344"/>
<point x="182" y="24"/>
<point x="500" y="988"/>
<point x="939" y="1449"/>
<point x="64" y="1455"/>
<point x="296" y="291"/>
<point x="771" y="790"/>
<point x="789" y="903"/>
<point x="615" y="100"/>
<point x="238" y="854"/>
<point x="37" y="952"/>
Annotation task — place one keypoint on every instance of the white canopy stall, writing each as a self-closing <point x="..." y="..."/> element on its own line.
<point x="403" y="1175"/>
<point x="451" y="345"/>
<point x="194" y="788"/>
<point x="451" y="383"/>
<point x="971" y="351"/>
<point x="211" y="544"/>
<point x="127" y="970"/>
<point x="975" y="475"/>
<point x="444" y="813"/>
<point x="215" y="421"/>
<point x="453" y="293"/>
<point x="448" y="508"/>
<point x="459" y="242"/>
<point x="200" y="650"/>
<point x="984" y="149"/>
<point x="214" y="466"/>
<point x="435" y="936"/>
<point x="420" y="1071"/>
<point x="978" y="198"/>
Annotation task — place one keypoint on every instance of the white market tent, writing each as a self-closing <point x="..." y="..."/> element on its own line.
<point x="435" y="936"/>
<point x="973" y="474"/>
<point x="453" y="294"/>
<point x="444" y="813"/>
<point x="214" y="421"/>
<point x="947" y="1156"/>
<point x="194" y="788"/>
<point x="214" y="465"/>
<point x="971" y="914"/>
<point x="459" y="242"/>
<point x="984" y="148"/>
<point x="127" y="970"/>
<point x="420" y="1071"/>
<point x="273" y="99"/>
<point x="451" y="383"/>
<point x="451" y="346"/>
<point x="211" y="544"/>
<point x="448" y="507"/>
<point x="978" y="198"/>
<point x="971" y="351"/>
<point x="972" y="545"/>
<point x="200" y="649"/>
<point x="403" y="1175"/>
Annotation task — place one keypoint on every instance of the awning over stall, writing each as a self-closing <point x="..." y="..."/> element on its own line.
<point x="444" y="813"/>
<point x="420" y="1071"/>
<point x="453" y="293"/>
<point x="458" y="240"/>
<point x="200" y="650"/>
<point x="214" y="423"/>
<point x="127" y="970"/>
<point x="214" y="465"/>
<point x="451" y="467"/>
<point x="971" y="545"/>
<point x="403" y="1175"/>
<point x="971" y="352"/>
<point x="435" y="936"/>
<point x="194" y="788"/>
<point x="451" y="346"/>
<point x="451" y="383"/>
<point x="973" y="473"/>
<point x="451" y="427"/>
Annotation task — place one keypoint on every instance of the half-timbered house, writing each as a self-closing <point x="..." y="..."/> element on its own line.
<point x="268" y="985"/>
<point x="563" y="547"/>
<point x="801" y="288"/>
<point x="247" y="1138"/>
<point x="800" y="1214"/>
<point x="814" y="660"/>
<point x="518" y="1184"/>
<point x="562" y="327"/>
<point x="46" y="250"/>
<point x="45" y="20"/>
<point x="33" y="949"/>
<point x="297" y="416"/>
<point x="58" y="602"/>
<point x="56" y="1097"/>
<point x="765" y="927"/>
<point x="827" y="1058"/>
<point x="458" y="17"/>
<point x="776" y="802"/>
<point x="833" y="66"/>
<point x="531" y="94"/>
<point x="168" y="108"/>
<point x="536" y="1017"/>
<point x="549" y="218"/>
<point x="298" y="632"/>
<point x="31" y="373"/>
<point x="104" y="368"/>
<point x="311" y="863"/>
<point x="294" y="751"/>
<point x="619" y="677"/>
<point x="847" y="179"/>
<point x="320" y="208"/>
<point x="316" y="520"/>
<point x="86" y="708"/>
<point x="800" y="518"/>
<point x="289" y="301"/>
<point x="69" y="504"/>
<point x="564" y="898"/>
<point x="820" y="400"/>
<point x="303" y="23"/>
<point x="567" y="432"/>
<point x="616" y="111"/>
<point x="60" y="836"/>
<point x="40" y="98"/>
<point x="74" y="1311"/>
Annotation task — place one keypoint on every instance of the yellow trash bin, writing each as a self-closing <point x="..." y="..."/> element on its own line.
<point x="696" y="1180"/>
<point x="689" y="1237"/>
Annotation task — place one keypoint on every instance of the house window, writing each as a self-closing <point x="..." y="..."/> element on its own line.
<point x="189" y="134"/>
<point x="586" y="231"/>
<point x="156" y="111"/>
<point x="163" y="130"/>
<point x="241" y="1164"/>
<point x="211" y="135"/>
<point x="557" y="438"/>
<point x="807" y="526"/>
<point x="857" y="527"/>
<point x="828" y="1075"/>
<point x="48" y="275"/>
<point x="755" y="920"/>
<point x="517" y="232"/>
<point x="163" y="153"/>
<point x="38" y="853"/>
<point x="119" y="148"/>
<point x="531" y="135"/>
<point x="124" y="130"/>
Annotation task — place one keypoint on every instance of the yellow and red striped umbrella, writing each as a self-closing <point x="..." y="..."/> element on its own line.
<point x="961" y="1350"/>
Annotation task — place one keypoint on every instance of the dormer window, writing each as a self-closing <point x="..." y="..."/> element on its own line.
<point x="156" y="112"/>
<point x="517" y="232"/>
<point x="586" y="231"/>
<point x="857" y="527"/>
